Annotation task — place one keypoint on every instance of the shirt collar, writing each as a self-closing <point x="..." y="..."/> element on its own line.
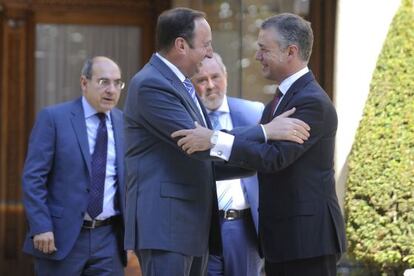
<point x="89" y="110"/>
<point x="224" y="107"/>
<point x="173" y="68"/>
<point x="287" y="83"/>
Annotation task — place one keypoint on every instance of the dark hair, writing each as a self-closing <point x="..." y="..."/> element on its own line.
<point x="87" y="68"/>
<point x="178" y="22"/>
<point x="292" y="29"/>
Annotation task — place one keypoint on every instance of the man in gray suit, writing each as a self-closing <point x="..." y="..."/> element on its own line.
<point x="237" y="198"/>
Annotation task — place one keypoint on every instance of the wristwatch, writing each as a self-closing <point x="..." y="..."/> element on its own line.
<point x="214" y="138"/>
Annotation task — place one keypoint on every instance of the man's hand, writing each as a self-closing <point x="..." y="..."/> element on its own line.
<point x="290" y="129"/>
<point x="45" y="242"/>
<point x="192" y="140"/>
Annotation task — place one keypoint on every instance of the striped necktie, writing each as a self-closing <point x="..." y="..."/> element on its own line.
<point x="224" y="195"/>
<point x="190" y="88"/>
<point x="214" y="117"/>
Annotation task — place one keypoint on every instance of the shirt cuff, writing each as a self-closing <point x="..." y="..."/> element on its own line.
<point x="264" y="133"/>
<point x="223" y="147"/>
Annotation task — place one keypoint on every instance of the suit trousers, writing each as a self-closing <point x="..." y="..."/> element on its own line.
<point x="96" y="252"/>
<point x="318" y="266"/>
<point x="156" y="262"/>
<point x="240" y="250"/>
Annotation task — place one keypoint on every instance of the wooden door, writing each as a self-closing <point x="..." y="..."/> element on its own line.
<point x="18" y="19"/>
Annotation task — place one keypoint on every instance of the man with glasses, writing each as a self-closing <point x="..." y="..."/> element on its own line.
<point x="73" y="180"/>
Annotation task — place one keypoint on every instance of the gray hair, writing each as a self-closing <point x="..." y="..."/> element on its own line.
<point x="292" y="30"/>
<point x="87" y="68"/>
<point x="220" y="62"/>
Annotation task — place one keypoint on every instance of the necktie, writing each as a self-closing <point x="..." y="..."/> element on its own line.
<point x="275" y="101"/>
<point x="224" y="195"/>
<point x="98" y="168"/>
<point x="190" y="88"/>
<point x="215" y="121"/>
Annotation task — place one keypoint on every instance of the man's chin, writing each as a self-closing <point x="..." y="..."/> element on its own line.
<point x="213" y="105"/>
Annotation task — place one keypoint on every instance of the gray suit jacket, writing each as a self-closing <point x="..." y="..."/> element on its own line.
<point x="171" y="197"/>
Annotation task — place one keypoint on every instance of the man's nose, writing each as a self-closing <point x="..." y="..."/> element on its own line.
<point x="111" y="88"/>
<point x="210" y="83"/>
<point x="258" y="55"/>
<point x="209" y="52"/>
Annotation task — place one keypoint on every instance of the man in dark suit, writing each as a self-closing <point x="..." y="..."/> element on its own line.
<point x="172" y="216"/>
<point x="73" y="180"/>
<point x="237" y="198"/>
<point x="301" y="227"/>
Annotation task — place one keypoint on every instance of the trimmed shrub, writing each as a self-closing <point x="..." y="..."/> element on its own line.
<point x="379" y="202"/>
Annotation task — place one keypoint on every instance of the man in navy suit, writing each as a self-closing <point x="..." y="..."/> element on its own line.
<point x="237" y="198"/>
<point x="301" y="227"/>
<point x="73" y="180"/>
<point x="172" y="216"/>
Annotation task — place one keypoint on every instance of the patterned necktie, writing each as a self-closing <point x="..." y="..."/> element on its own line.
<point x="214" y="119"/>
<point x="98" y="168"/>
<point x="224" y="195"/>
<point x="190" y="88"/>
<point x="275" y="101"/>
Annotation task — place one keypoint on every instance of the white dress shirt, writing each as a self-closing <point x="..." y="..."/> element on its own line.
<point x="235" y="188"/>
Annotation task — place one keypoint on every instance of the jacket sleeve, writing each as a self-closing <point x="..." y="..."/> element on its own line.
<point x="161" y="111"/>
<point x="38" y="165"/>
<point x="274" y="156"/>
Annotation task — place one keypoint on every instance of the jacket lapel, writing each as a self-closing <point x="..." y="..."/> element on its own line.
<point x="236" y="115"/>
<point x="117" y="126"/>
<point x="179" y="88"/>
<point x="295" y="88"/>
<point x="79" y="126"/>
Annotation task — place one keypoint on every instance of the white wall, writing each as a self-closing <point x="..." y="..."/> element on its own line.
<point x="362" y="26"/>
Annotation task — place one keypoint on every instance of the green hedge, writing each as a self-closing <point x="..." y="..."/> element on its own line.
<point x="379" y="202"/>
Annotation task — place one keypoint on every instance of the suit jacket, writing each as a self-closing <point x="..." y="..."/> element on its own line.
<point x="56" y="176"/>
<point x="171" y="197"/>
<point x="246" y="113"/>
<point x="298" y="207"/>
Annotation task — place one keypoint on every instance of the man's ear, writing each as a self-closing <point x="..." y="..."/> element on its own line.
<point x="293" y="50"/>
<point x="180" y="44"/>
<point x="83" y="82"/>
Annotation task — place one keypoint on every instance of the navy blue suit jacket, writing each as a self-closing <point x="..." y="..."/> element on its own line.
<point x="298" y="207"/>
<point x="56" y="175"/>
<point x="171" y="197"/>
<point x="247" y="113"/>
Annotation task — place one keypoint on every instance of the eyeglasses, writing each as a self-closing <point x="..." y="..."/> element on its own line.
<point x="105" y="83"/>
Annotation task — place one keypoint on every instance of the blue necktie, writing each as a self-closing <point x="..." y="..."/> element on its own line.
<point x="224" y="195"/>
<point x="214" y="119"/>
<point x="98" y="168"/>
<point x="191" y="90"/>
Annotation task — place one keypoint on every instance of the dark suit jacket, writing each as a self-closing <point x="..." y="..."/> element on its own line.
<point x="298" y="207"/>
<point x="171" y="197"/>
<point x="247" y="113"/>
<point x="56" y="175"/>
